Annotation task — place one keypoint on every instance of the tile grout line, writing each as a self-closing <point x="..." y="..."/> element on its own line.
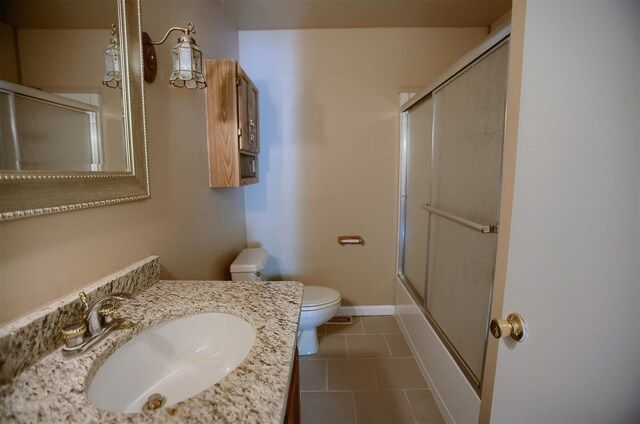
<point x="415" y="420"/>
<point x="359" y="390"/>
<point x="346" y="345"/>
<point x="326" y="374"/>
<point x="375" y="376"/>
<point x="354" y="390"/>
<point x="361" y="357"/>
<point x="388" y="345"/>
<point x="355" y="410"/>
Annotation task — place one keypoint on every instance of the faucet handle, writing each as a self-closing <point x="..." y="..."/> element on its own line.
<point x="73" y="335"/>
<point x="106" y="311"/>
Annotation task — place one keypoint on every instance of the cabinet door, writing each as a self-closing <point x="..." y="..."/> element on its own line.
<point x="244" y="142"/>
<point x="254" y="133"/>
<point x="247" y="114"/>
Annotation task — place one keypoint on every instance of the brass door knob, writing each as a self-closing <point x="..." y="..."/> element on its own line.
<point x="513" y="326"/>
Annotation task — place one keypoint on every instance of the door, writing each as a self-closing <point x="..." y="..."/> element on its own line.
<point x="568" y="249"/>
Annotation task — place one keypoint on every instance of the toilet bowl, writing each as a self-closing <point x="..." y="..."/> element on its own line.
<point x="319" y="304"/>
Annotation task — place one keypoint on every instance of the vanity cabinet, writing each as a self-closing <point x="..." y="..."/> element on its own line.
<point x="232" y="125"/>
<point x="292" y="410"/>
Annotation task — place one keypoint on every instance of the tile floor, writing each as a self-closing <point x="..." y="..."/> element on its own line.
<point x="364" y="373"/>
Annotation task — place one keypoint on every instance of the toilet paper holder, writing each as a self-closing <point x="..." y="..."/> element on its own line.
<point x="345" y="240"/>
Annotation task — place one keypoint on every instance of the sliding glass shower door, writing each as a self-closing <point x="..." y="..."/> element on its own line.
<point x="452" y="201"/>
<point x="418" y="192"/>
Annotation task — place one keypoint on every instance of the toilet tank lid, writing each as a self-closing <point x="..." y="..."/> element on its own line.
<point x="250" y="260"/>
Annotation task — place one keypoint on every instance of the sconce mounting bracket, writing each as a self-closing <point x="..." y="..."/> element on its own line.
<point x="149" y="58"/>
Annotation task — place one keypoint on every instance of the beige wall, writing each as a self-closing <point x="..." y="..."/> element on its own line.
<point x="329" y="109"/>
<point x="195" y="230"/>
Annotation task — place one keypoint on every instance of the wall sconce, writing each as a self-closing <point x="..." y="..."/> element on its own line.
<point x="113" y="71"/>
<point x="186" y="58"/>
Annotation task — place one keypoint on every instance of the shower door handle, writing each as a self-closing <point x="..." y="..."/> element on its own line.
<point x="513" y="326"/>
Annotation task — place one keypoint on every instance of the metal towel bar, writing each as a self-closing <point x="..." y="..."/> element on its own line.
<point x="478" y="227"/>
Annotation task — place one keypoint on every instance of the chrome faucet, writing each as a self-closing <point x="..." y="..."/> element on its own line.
<point x="97" y="322"/>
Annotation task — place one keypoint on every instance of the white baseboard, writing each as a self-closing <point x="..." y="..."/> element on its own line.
<point x="367" y="310"/>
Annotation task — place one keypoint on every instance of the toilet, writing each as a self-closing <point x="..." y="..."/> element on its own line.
<point x="319" y="304"/>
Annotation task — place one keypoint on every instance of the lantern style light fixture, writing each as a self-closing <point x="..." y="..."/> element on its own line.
<point x="113" y="70"/>
<point x="186" y="59"/>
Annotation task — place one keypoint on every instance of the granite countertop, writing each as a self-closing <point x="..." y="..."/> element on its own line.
<point x="53" y="389"/>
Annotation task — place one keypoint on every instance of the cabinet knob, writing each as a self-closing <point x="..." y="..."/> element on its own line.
<point x="252" y="122"/>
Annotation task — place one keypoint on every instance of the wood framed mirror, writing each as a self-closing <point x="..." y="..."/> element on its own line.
<point x="27" y="191"/>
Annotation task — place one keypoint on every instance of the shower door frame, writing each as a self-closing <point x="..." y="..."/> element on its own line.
<point x="493" y="42"/>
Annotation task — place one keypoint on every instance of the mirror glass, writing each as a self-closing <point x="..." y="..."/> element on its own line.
<point x="68" y="142"/>
<point x="55" y="113"/>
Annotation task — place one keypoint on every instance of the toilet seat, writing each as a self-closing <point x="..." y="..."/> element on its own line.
<point x="316" y="297"/>
<point x="319" y="307"/>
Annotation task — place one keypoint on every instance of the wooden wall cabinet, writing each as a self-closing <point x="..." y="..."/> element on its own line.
<point x="232" y="125"/>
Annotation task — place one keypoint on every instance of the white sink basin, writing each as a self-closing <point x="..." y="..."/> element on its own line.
<point x="177" y="359"/>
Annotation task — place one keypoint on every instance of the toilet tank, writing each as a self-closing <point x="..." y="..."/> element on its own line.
<point x="249" y="264"/>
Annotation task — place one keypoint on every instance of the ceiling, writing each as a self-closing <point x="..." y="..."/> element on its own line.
<point x="305" y="14"/>
<point x="274" y="14"/>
